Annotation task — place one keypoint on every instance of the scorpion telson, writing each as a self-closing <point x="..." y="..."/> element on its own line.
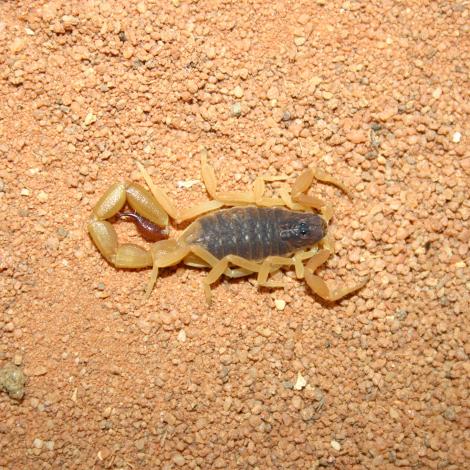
<point x="149" y="231"/>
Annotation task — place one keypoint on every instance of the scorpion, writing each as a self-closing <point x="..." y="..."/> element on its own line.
<point x="257" y="234"/>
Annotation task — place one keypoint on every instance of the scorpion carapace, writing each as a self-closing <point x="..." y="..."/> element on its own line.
<point x="259" y="235"/>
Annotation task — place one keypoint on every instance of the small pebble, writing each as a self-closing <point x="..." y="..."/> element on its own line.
<point x="356" y="137"/>
<point x="42" y="196"/>
<point x="273" y="93"/>
<point x="52" y="243"/>
<point x="187" y="184"/>
<point x="141" y="7"/>
<point x="12" y="380"/>
<point x="38" y="443"/>
<point x="128" y="51"/>
<point x="300" y="382"/>
<point x="181" y="336"/>
<point x="49" y="445"/>
<point x="297" y="402"/>
<point x="220" y="463"/>
<point x="335" y="445"/>
<point x="90" y="118"/>
<point x="37" y="371"/>
<point x="436" y="94"/>
<point x="179" y="460"/>
<point x="18" y="45"/>
<point x="103" y="454"/>
<point x="238" y="92"/>
<point x="140" y="444"/>
<point x="456" y="137"/>
<point x="280" y="304"/>
<point x="236" y="109"/>
<point x="388" y="113"/>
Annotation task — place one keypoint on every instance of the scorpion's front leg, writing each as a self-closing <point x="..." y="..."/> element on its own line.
<point x="103" y="234"/>
<point x="319" y="286"/>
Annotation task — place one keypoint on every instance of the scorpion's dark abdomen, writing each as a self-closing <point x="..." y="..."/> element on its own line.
<point x="254" y="233"/>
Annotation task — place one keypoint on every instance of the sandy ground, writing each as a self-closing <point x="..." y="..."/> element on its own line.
<point x="376" y="93"/>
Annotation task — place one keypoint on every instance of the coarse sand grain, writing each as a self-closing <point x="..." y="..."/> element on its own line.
<point x="375" y="93"/>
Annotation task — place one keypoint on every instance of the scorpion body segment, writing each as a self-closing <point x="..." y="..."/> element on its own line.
<point x="254" y="233"/>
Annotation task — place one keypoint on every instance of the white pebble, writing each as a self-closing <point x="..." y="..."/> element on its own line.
<point x="50" y="445"/>
<point x="300" y="382"/>
<point x="238" y="91"/>
<point x="42" y="196"/>
<point x="456" y="137"/>
<point x="280" y="304"/>
<point x="38" y="443"/>
<point x="187" y="183"/>
<point x="181" y="336"/>
<point x="336" y="445"/>
<point x="90" y="118"/>
<point x="436" y="94"/>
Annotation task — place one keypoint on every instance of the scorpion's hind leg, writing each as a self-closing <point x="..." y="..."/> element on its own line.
<point x="319" y="286"/>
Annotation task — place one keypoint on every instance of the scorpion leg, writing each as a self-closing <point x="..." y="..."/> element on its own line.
<point x="286" y="197"/>
<point x="328" y="243"/>
<point x="324" y="177"/>
<point x="220" y="199"/>
<point x="228" y="197"/>
<point x="202" y="258"/>
<point x="165" y="201"/>
<point x="319" y="286"/>
<point x="299" y="258"/>
<point x="221" y="267"/>
<point x="298" y="194"/>
<point x="235" y="198"/>
<point x="268" y="265"/>
<point x="304" y="182"/>
<point x="273" y="263"/>
<point x="164" y="253"/>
